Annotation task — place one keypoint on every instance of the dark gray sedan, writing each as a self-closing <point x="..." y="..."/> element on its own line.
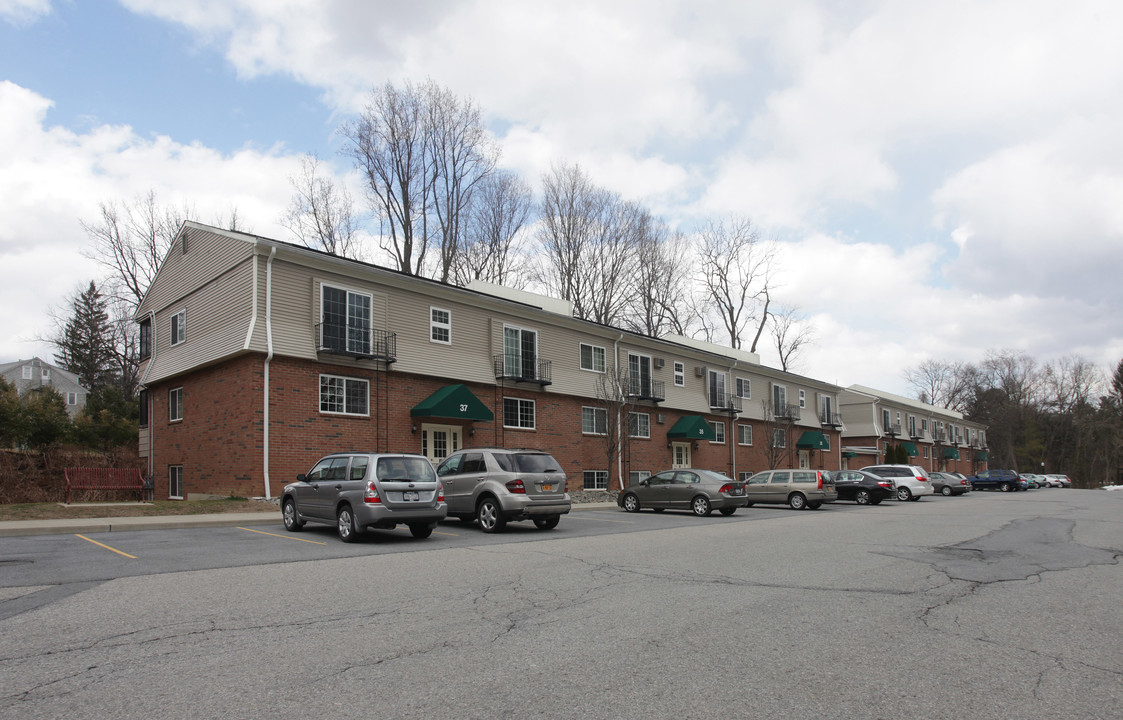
<point x="700" y="491"/>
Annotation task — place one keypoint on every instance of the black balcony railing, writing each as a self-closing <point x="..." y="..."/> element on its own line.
<point x="641" y="389"/>
<point x="830" y="419"/>
<point x="356" y="342"/>
<point x="524" y="370"/>
<point x="893" y="430"/>
<point x="787" y="411"/>
<point x="725" y="402"/>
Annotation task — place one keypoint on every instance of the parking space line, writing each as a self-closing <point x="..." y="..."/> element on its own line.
<point x="286" y="537"/>
<point x="438" y="532"/>
<point x="586" y="516"/>
<point x="95" y="542"/>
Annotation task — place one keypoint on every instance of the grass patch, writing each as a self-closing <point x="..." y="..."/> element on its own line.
<point x="53" y="511"/>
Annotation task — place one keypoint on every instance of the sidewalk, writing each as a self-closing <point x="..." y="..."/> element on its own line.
<point x="14" y="528"/>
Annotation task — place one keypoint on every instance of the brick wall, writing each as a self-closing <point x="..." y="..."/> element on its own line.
<point x="219" y="442"/>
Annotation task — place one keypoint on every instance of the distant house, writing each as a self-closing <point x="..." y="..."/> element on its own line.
<point x="34" y="375"/>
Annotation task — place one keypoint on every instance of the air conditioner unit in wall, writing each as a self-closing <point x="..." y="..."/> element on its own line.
<point x="699" y="371"/>
<point x="658" y="363"/>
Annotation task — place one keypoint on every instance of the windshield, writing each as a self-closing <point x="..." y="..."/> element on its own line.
<point x="405" y="469"/>
<point x="528" y="462"/>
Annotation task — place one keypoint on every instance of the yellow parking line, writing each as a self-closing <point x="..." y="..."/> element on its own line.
<point x="286" y="537"/>
<point x="438" y="532"/>
<point x="95" y="542"/>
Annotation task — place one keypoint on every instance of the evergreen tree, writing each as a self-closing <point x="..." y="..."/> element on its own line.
<point x="46" y="421"/>
<point x="86" y="347"/>
<point x="11" y="414"/>
<point x="109" y="419"/>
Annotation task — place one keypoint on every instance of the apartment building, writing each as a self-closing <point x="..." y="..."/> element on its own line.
<point x="259" y="356"/>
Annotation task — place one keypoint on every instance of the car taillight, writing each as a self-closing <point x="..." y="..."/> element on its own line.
<point x="886" y="484"/>
<point x="726" y="488"/>
<point x="371" y="495"/>
<point x="440" y="492"/>
<point x="517" y="487"/>
<point x="820" y="480"/>
<point x="921" y="479"/>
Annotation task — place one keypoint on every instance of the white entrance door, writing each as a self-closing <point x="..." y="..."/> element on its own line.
<point x="440" y="441"/>
<point x="680" y="455"/>
<point x="804" y="459"/>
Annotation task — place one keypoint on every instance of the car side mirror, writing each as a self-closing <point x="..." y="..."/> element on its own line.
<point x="302" y="478"/>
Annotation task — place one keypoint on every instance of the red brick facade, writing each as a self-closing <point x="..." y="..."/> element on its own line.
<point x="220" y="442"/>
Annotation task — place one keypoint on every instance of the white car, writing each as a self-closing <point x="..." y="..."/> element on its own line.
<point x="911" y="480"/>
<point x="1058" y="481"/>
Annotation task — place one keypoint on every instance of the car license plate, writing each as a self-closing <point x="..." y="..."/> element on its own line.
<point x="547" y="488"/>
<point x="738" y="491"/>
<point x="410" y="495"/>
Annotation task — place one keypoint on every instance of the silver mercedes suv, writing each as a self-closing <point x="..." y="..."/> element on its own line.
<point x="356" y="491"/>
<point x="495" y="486"/>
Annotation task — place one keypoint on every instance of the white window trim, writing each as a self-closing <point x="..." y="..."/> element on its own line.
<point x="747" y="384"/>
<point x="520" y="401"/>
<point x="28" y="372"/>
<point x="680" y="374"/>
<point x="435" y="325"/>
<point x="172" y="405"/>
<point x="750" y="427"/>
<point x="350" y="291"/>
<point x="171" y="469"/>
<point x="596" y="474"/>
<point x="345" y="379"/>
<point x="803" y="399"/>
<point x="520" y="329"/>
<point x="719" y="432"/>
<point x="592" y="357"/>
<point x="72" y="398"/>
<point x="178" y="338"/>
<point x="646" y="435"/>
<point x="784" y="392"/>
<point x="596" y="411"/>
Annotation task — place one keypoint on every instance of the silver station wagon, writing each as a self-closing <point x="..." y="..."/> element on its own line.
<point x="800" y="489"/>
<point x="356" y="491"/>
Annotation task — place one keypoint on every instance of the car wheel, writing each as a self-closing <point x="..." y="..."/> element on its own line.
<point x="421" y="531"/>
<point x="292" y="522"/>
<point x="658" y="509"/>
<point x="547" y="523"/>
<point x="814" y="505"/>
<point x="904" y="494"/>
<point x="727" y="511"/>
<point x="701" y="506"/>
<point x="797" y="502"/>
<point x="946" y="491"/>
<point x="631" y="503"/>
<point x="876" y="501"/>
<point x="1004" y="487"/>
<point x="862" y="497"/>
<point x="346" y="525"/>
<point x="915" y="498"/>
<point x="490" y="516"/>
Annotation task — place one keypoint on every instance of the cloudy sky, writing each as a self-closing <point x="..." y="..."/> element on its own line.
<point x="943" y="178"/>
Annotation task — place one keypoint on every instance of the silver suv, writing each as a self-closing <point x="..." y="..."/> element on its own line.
<point x="495" y="486"/>
<point x="911" y="480"/>
<point x="356" y="491"/>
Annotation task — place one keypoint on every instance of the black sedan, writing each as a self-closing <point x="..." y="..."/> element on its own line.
<point x="862" y="487"/>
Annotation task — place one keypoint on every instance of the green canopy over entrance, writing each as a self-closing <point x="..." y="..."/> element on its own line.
<point x="951" y="454"/>
<point x="981" y="455"/>
<point x="849" y="454"/>
<point x="453" y="401"/>
<point x="813" y="440"/>
<point x="692" y="427"/>
<point x="910" y="448"/>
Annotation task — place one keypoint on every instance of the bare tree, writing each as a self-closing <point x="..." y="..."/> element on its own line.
<point x="790" y="333"/>
<point x="588" y="238"/>
<point x="736" y="275"/>
<point x="421" y="151"/>
<point x="943" y="383"/>
<point x="129" y="240"/>
<point x="501" y="207"/>
<point x="321" y="214"/>
<point x="662" y="259"/>
<point x="617" y="404"/>
<point x="779" y="444"/>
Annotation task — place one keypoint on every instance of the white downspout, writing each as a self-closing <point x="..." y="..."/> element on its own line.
<point x="732" y="437"/>
<point x="268" y="359"/>
<point x="619" y="439"/>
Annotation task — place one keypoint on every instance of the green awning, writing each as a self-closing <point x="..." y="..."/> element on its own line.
<point x="849" y="454"/>
<point x="910" y="448"/>
<point x="452" y="401"/>
<point x="814" y="440"/>
<point x="692" y="427"/>
<point x="981" y="455"/>
<point x="950" y="454"/>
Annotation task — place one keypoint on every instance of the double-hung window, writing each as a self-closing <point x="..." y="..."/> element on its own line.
<point x="717" y="389"/>
<point x="145" y="339"/>
<point x="345" y="321"/>
<point x="680" y="374"/>
<point x="639" y="425"/>
<point x="743" y="388"/>
<point x="595" y="479"/>
<point x="344" y="395"/>
<point x="175" y="404"/>
<point x="744" y="434"/>
<point x="179" y="327"/>
<point x="594" y="420"/>
<point x="592" y="358"/>
<point x="518" y="413"/>
<point x="803" y="398"/>
<point x="719" y="432"/>
<point x="440" y="325"/>
<point x="639" y="375"/>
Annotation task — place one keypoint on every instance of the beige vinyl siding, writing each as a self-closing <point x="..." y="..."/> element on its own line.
<point x="217" y="318"/>
<point x="208" y="256"/>
<point x="466" y="359"/>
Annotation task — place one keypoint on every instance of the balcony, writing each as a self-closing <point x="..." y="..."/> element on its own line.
<point x="788" y="412"/>
<point x="512" y="367"/>
<point x="941" y="437"/>
<point x="725" y="402"/>
<point x="358" y="343"/>
<point x="830" y="419"/>
<point x="893" y="430"/>
<point x="646" y="390"/>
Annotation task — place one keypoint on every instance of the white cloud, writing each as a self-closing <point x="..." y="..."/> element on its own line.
<point x="51" y="178"/>
<point x="21" y="12"/>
